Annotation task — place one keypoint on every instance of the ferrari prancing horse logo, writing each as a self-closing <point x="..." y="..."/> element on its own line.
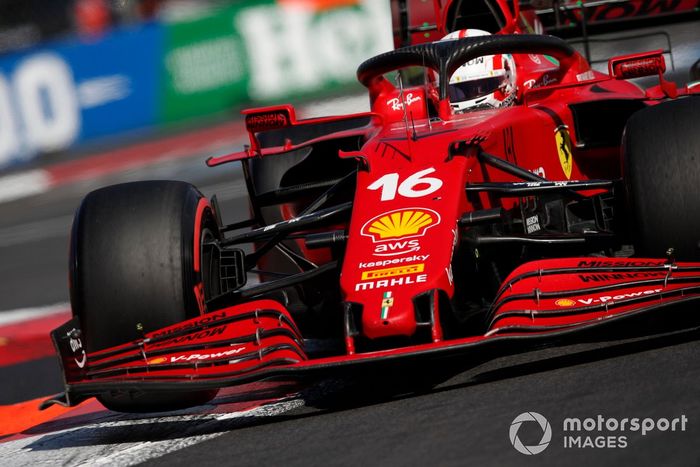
<point x="563" y="140"/>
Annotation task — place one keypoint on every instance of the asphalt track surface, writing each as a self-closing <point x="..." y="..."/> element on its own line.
<point x="372" y="420"/>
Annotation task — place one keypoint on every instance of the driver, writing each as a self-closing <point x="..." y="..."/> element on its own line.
<point x="484" y="82"/>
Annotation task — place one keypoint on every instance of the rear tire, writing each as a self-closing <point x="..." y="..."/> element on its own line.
<point x="661" y="167"/>
<point x="133" y="251"/>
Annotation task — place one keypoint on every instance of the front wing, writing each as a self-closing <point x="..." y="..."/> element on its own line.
<point x="540" y="302"/>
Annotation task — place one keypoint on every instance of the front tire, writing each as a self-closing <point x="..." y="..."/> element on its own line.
<point x="135" y="268"/>
<point x="661" y="167"/>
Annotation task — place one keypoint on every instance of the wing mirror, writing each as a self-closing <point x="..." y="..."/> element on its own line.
<point x="637" y="65"/>
<point x="643" y="64"/>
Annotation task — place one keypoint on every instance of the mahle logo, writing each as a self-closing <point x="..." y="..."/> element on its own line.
<point x="546" y="433"/>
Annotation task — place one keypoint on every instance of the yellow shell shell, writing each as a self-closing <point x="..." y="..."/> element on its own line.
<point x="400" y="224"/>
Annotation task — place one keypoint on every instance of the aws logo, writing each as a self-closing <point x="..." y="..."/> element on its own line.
<point x="396" y="232"/>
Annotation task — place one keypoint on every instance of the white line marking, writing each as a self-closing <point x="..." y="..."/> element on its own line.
<point x="23" y="184"/>
<point x="145" y="438"/>
<point x="25" y="314"/>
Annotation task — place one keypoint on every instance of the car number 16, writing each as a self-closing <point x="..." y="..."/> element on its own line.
<point x="389" y="184"/>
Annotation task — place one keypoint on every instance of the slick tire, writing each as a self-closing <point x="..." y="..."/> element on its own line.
<point x="661" y="170"/>
<point x="132" y="271"/>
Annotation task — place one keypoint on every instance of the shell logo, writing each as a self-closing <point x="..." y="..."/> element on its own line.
<point x="157" y="360"/>
<point x="565" y="302"/>
<point x="402" y="223"/>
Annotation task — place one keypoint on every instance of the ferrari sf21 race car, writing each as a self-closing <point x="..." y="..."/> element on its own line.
<point x="409" y="233"/>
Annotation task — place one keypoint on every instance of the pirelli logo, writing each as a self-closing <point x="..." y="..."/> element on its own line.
<point x="391" y="272"/>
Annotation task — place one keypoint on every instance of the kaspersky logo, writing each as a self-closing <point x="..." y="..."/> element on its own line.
<point x="400" y="224"/>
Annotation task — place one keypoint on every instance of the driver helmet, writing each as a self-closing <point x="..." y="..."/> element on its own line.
<point x="483" y="82"/>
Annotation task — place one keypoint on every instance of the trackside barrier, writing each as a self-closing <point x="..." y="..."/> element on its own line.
<point x="66" y="93"/>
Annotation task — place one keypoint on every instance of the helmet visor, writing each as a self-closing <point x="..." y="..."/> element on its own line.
<point x="468" y="90"/>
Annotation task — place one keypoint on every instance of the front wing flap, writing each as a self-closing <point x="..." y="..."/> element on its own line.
<point x="228" y="344"/>
<point x="540" y="302"/>
<point x="559" y="293"/>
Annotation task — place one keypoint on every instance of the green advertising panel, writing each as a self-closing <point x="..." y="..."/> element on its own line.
<point x="264" y="52"/>
<point x="205" y="66"/>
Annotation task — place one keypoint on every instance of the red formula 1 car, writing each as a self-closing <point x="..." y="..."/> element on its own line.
<point x="408" y="234"/>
